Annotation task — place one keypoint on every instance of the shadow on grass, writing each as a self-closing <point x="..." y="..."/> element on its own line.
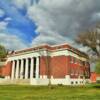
<point x="97" y="86"/>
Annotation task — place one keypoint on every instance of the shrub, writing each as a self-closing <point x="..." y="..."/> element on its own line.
<point x="2" y="76"/>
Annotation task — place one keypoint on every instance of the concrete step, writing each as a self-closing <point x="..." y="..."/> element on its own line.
<point x="15" y="81"/>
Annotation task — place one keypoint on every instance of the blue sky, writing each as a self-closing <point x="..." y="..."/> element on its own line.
<point x="17" y="21"/>
<point x="19" y="24"/>
<point x="24" y="23"/>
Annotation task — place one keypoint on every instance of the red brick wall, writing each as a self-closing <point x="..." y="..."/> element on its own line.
<point x="75" y="70"/>
<point x="79" y="70"/>
<point x="43" y="68"/>
<point x="93" y="77"/>
<point x="58" y="66"/>
<point x="1" y="70"/>
<point x="6" y="70"/>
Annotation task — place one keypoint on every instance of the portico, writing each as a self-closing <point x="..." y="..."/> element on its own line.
<point x="26" y="68"/>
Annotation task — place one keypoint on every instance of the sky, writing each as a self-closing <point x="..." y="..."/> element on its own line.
<point x="24" y="23"/>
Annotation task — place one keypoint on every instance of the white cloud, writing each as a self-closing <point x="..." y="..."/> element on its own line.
<point x="84" y="49"/>
<point x="96" y="17"/>
<point x="24" y="3"/>
<point x="3" y="25"/>
<point x="50" y="39"/>
<point x="63" y="18"/>
<point x="21" y="3"/>
<point x="7" y="19"/>
<point x="11" y="42"/>
<point x="1" y="13"/>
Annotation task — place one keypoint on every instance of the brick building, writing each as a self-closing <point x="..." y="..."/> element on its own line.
<point x="94" y="77"/>
<point x="44" y="64"/>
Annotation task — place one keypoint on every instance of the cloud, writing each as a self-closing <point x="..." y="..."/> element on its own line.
<point x="15" y="23"/>
<point x="11" y="42"/>
<point x="2" y="13"/>
<point x="64" y="19"/>
<point x="22" y="3"/>
<point x="96" y="17"/>
<point x="3" y="25"/>
<point x="50" y="39"/>
<point x="56" y="21"/>
<point x="7" y="19"/>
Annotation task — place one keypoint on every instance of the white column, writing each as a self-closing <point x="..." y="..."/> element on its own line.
<point x="31" y="69"/>
<point x="13" y="70"/>
<point x="37" y="67"/>
<point x="22" y="68"/>
<point x="17" y="70"/>
<point x="26" y="69"/>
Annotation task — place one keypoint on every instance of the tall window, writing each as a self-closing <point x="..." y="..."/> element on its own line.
<point x="34" y="70"/>
<point x="19" y="68"/>
<point x="24" y="68"/>
<point x="29" y="67"/>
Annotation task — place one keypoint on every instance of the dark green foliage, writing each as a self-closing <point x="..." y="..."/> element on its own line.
<point x="98" y="81"/>
<point x="1" y="76"/>
<point x="3" y="52"/>
<point x="97" y="69"/>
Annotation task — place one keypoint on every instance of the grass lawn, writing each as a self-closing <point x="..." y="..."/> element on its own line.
<point x="18" y="92"/>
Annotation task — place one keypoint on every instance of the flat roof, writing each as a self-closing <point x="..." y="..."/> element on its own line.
<point x="50" y="48"/>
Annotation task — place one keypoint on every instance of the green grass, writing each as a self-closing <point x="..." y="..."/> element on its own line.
<point x="17" y="92"/>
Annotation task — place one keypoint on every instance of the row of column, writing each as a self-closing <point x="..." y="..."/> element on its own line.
<point x="25" y="68"/>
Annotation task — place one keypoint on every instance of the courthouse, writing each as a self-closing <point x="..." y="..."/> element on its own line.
<point x="45" y="64"/>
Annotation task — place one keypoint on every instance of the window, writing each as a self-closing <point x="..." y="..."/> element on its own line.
<point x="72" y="71"/>
<point x="34" y="73"/>
<point x="72" y="82"/>
<point x="76" y="60"/>
<point x="76" y="82"/>
<point x="71" y="59"/>
<point x="81" y="63"/>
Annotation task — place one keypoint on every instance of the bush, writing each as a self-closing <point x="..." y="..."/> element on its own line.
<point x="3" y="52"/>
<point x="97" y="69"/>
<point x="2" y="76"/>
<point x="98" y="81"/>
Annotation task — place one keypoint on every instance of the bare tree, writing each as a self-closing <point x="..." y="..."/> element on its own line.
<point x="91" y="39"/>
